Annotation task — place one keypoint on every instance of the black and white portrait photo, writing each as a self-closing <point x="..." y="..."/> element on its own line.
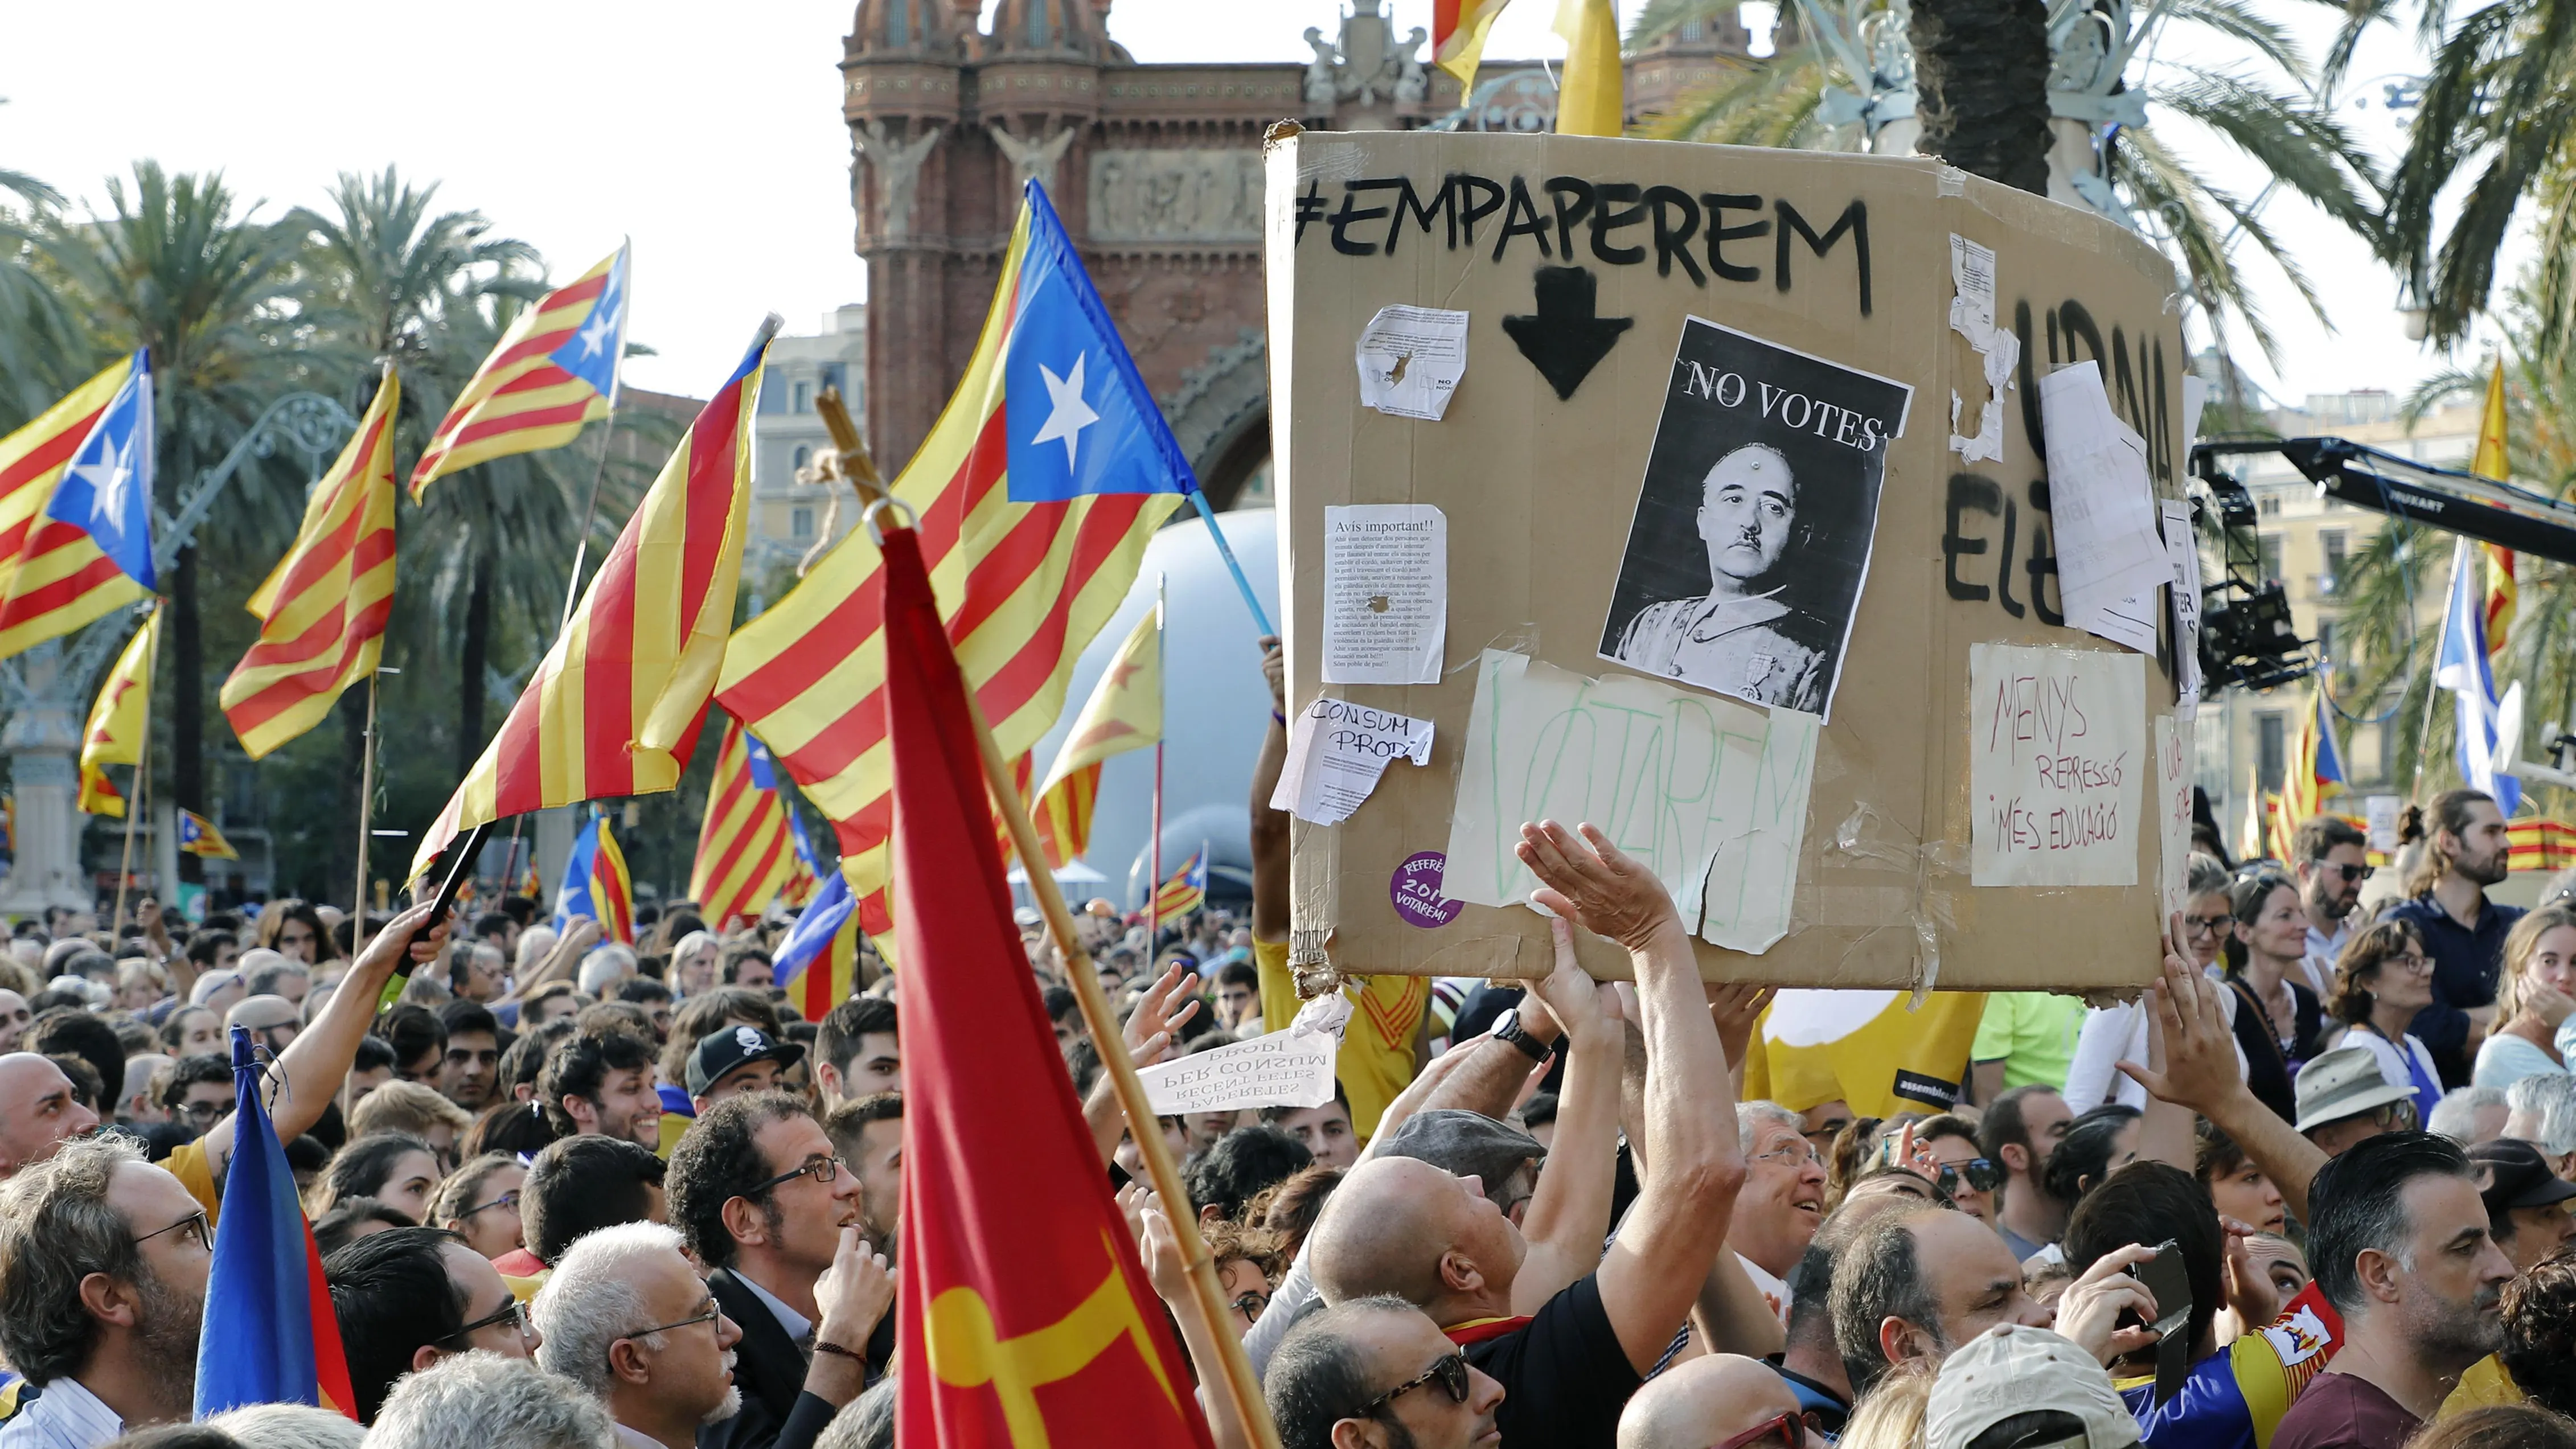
<point x="1752" y="533"/>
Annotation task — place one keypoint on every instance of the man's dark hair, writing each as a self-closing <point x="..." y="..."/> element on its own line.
<point x="413" y="1031"/>
<point x="1238" y="1167"/>
<point x="844" y="1122"/>
<point x="2146" y="1203"/>
<point x="606" y="1016"/>
<point x="68" y="1031"/>
<point x="174" y="1027"/>
<point x="737" y="952"/>
<point x="468" y="1016"/>
<point x="1538" y="1111"/>
<point x="2002" y="1125"/>
<point x="2357" y="1202"/>
<point x="262" y="979"/>
<point x="523" y="909"/>
<point x="837" y="1039"/>
<point x="391" y="1293"/>
<point x="581" y="1064"/>
<point x="719" y="1160"/>
<point x="525" y="1058"/>
<point x="493" y="926"/>
<point x="1317" y="1378"/>
<point x="512" y="1126"/>
<point x="205" y="946"/>
<point x="62" y="996"/>
<point x="582" y="1184"/>
<point x="1948" y="1124"/>
<point x="2318" y="835"/>
<point x="1879" y="1277"/>
<point x="643" y="991"/>
<point x="1060" y="1003"/>
<point x="338" y="1228"/>
<point x="1239" y="973"/>
<point x="2540" y="1332"/>
<point x="87" y="1089"/>
<point x="684" y="920"/>
<point x="1811" y="1286"/>
<point x="192" y="1071"/>
<point x="2086" y="1152"/>
<point x="703" y="1013"/>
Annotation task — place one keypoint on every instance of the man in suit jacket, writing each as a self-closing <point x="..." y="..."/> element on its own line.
<point x="763" y="1201"/>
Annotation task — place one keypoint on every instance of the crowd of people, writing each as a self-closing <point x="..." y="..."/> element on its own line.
<point x="2311" y="1189"/>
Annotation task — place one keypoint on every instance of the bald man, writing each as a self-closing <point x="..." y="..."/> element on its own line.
<point x="1402" y="1227"/>
<point x="1710" y="1400"/>
<point x="37" y="1111"/>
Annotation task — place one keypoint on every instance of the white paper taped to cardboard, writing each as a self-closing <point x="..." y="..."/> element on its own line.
<point x="1410" y="360"/>
<point x="2174" y="741"/>
<point x="2109" y="555"/>
<point x="2182" y="557"/>
<point x="1709" y="793"/>
<point x="1972" y="315"/>
<point x="1337" y="752"/>
<point x="1291" y="1068"/>
<point x="2057" y="748"/>
<point x="1386" y="593"/>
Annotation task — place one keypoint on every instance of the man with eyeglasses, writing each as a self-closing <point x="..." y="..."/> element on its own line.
<point x="407" y="1297"/>
<point x="760" y="1197"/>
<point x="1783" y="1201"/>
<point x="2345" y="1099"/>
<point x="626" y="1318"/>
<point x="1721" y="1401"/>
<point x="1384" y="1368"/>
<point x="103" y="1263"/>
<point x="2331" y="860"/>
<point x="199" y="1093"/>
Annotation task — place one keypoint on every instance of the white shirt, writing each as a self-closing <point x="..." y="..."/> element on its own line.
<point x="1774" y="1290"/>
<point x="798" y="1326"/>
<point x="2112" y="1034"/>
<point x="638" y="1439"/>
<point x="64" y="1416"/>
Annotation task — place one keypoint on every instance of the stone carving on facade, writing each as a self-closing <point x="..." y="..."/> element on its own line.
<point x="1219" y="398"/>
<point x="897" y="163"/>
<point x="1032" y="160"/>
<point x="1208" y="194"/>
<point x="1366" y="65"/>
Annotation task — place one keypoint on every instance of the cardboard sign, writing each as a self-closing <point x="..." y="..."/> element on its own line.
<point x="1614" y="289"/>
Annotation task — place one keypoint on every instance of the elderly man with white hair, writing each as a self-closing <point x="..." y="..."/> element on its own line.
<point x="2541" y="1110"/>
<point x="2470" y="1115"/>
<point x="602" y="969"/>
<point x="624" y="1316"/>
<point x="485" y="1401"/>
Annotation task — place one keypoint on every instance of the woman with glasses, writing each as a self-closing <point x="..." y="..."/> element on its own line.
<point x="2277" y="1019"/>
<point x="479" y="1202"/>
<point x="2383" y="979"/>
<point x="2112" y="1034"/>
<point x="2534" y="1000"/>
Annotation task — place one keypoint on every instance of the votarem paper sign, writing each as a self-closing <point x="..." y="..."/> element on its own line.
<point x="2057" y="750"/>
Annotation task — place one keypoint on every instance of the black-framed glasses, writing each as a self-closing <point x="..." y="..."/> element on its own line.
<point x="1250" y="1305"/>
<point x="821" y="1169"/>
<point x="1449" y="1372"/>
<point x="2207" y="925"/>
<point x="515" y="1315"/>
<point x="193" y="1225"/>
<point x="206" y="1112"/>
<point x="508" y="1200"/>
<point x="714" y="1311"/>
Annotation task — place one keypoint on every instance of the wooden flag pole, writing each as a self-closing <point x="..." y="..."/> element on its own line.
<point x="142" y="777"/>
<point x="366" y="808"/>
<point x="1154" y="851"/>
<point x="1242" y="1390"/>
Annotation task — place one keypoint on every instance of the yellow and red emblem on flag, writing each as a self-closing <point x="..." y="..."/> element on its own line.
<point x="1028" y="1329"/>
<point x="199" y="837"/>
<point x="54" y="577"/>
<point x="553" y="371"/>
<point x="746" y="855"/>
<point x="1026" y="568"/>
<point x="120" y="720"/>
<point x="1125" y="712"/>
<point x="620" y="695"/>
<point x="323" y="608"/>
<point x="2490" y="461"/>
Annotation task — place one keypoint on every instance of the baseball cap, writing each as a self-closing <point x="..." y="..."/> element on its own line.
<point x="1468" y="1144"/>
<point x="2015" y="1369"/>
<point x="2517" y="1176"/>
<point x="719" y="1052"/>
<point x="2345" y="1082"/>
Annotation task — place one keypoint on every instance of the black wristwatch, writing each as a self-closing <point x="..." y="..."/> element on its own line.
<point x="1507" y="1027"/>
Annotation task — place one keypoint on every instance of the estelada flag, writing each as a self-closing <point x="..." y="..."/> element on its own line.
<point x="1186" y="890"/>
<point x="199" y="837"/>
<point x="990" y="1126"/>
<point x="1125" y="712"/>
<point x="550" y="374"/>
<point x="818" y="959"/>
<point x="745" y="853"/>
<point x="118" y="719"/>
<point x="76" y="508"/>
<point x="270" y="1335"/>
<point x="596" y="885"/>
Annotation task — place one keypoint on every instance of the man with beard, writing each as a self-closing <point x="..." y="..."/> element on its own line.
<point x="602" y="1083"/>
<point x="868" y="1134"/>
<point x="1740" y="636"/>
<point x="763" y="1201"/>
<point x="2463" y="931"/>
<point x="103" y="1263"/>
<point x="2402" y="1251"/>
<point x="626" y="1318"/>
<point x="2331" y="860"/>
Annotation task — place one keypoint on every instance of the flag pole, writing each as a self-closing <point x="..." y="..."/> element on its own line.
<point x="142" y="774"/>
<point x="2433" y="679"/>
<point x="1154" y="886"/>
<point x="1226" y="552"/>
<point x="366" y="808"/>
<point x="1242" y="1390"/>
<point x="590" y="512"/>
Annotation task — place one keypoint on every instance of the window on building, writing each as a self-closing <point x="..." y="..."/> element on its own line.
<point x="2269" y="546"/>
<point x="2332" y="541"/>
<point x="2269" y="504"/>
<point x="1690" y="30"/>
<point x="803" y="457"/>
<point x="800" y="523"/>
<point x="837" y="378"/>
<point x="801" y="398"/>
<point x="2326" y="642"/>
<point x="2271" y="749"/>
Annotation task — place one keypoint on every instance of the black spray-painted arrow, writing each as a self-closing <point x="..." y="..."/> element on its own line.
<point x="1565" y="339"/>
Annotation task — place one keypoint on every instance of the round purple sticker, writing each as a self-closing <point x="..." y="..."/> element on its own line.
<point x="1416" y="892"/>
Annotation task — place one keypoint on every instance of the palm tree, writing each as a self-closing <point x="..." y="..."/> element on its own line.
<point x="180" y="266"/>
<point x="1981" y="87"/>
<point x="2281" y="122"/>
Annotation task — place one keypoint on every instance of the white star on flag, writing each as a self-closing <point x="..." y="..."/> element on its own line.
<point x="1070" y="413"/>
<point x="109" y="480"/>
<point x="603" y="321"/>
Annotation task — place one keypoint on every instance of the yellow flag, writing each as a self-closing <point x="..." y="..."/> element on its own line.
<point x="1592" y="100"/>
<point x="1458" y="29"/>
<point x="1864" y="1048"/>
<point x="1125" y="712"/>
<point x="118" y="720"/>
<point x="2489" y="462"/>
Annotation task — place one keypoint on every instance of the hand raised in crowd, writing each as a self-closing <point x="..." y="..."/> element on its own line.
<point x="1160" y="1247"/>
<point x="2200" y="1050"/>
<point x="1584" y="1009"/>
<point x="1157" y="1020"/>
<point x="1589" y="880"/>
<point x="2089" y="1312"/>
<point x="411" y="934"/>
<point x="1735" y="1006"/>
<point x="1274" y="668"/>
<point x="854" y="1293"/>
<point x="2249" y="1290"/>
<point x="1131" y="1206"/>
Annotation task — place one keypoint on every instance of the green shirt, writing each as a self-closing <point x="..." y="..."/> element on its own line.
<point x="2032" y="1033"/>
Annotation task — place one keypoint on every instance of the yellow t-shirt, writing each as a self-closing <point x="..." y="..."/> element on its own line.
<point x="187" y="1162"/>
<point x="1278" y="984"/>
<point x="2484" y="1386"/>
<point x="1376" y="1061"/>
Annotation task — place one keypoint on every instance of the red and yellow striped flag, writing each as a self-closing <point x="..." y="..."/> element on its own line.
<point x="1030" y="551"/>
<point x="1125" y="712"/>
<point x="53" y="576"/>
<point x="2490" y="462"/>
<point x="620" y="695"/>
<point x="119" y="720"/>
<point x="1458" y="29"/>
<point x="745" y="854"/>
<point x="552" y="373"/>
<point x="322" y="611"/>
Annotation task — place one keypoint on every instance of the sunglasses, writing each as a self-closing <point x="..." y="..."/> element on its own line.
<point x="1789" y="1431"/>
<point x="1450" y="1373"/>
<point x="515" y="1315"/>
<point x="1981" y="1175"/>
<point x="2352" y="874"/>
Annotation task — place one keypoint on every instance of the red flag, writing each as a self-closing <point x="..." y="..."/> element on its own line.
<point x="1034" y="1329"/>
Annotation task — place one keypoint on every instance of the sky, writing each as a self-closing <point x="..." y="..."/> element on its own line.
<point x="712" y="137"/>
